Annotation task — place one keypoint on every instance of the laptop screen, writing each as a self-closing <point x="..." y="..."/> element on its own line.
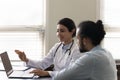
<point x="6" y="62"/>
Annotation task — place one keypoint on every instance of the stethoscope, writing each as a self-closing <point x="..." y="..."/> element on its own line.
<point x="66" y="50"/>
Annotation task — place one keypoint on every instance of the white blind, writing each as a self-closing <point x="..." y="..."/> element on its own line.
<point x="29" y="42"/>
<point x="21" y="27"/>
<point x="112" y="43"/>
<point x="21" y="12"/>
<point x="110" y="12"/>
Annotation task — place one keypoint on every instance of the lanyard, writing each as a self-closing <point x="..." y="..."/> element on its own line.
<point x="66" y="50"/>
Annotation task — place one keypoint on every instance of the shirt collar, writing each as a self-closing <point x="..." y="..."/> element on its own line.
<point x="96" y="47"/>
<point x="65" y="47"/>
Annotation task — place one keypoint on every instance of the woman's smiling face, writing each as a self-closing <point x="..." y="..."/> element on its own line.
<point x="63" y="33"/>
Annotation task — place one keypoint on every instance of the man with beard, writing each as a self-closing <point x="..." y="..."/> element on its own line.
<point x="96" y="63"/>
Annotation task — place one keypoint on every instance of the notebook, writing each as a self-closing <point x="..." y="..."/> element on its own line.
<point x="14" y="73"/>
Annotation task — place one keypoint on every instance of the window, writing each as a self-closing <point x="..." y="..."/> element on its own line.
<point x="30" y="42"/>
<point x="109" y="13"/>
<point x="112" y="43"/>
<point x="21" y="12"/>
<point x="21" y="27"/>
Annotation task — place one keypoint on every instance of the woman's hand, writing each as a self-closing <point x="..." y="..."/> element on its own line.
<point x="40" y="72"/>
<point x="21" y="55"/>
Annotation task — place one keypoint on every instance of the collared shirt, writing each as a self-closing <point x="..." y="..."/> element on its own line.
<point x="97" y="64"/>
<point x="60" y="59"/>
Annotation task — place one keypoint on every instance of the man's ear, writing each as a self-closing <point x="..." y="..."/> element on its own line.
<point x="85" y="40"/>
<point x="73" y="31"/>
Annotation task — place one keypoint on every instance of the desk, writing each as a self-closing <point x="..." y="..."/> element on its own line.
<point x="3" y="76"/>
<point x="16" y="66"/>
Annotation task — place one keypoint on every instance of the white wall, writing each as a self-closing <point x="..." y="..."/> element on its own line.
<point x="78" y="10"/>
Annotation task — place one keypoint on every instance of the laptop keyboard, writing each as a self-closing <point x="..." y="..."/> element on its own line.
<point x="22" y="73"/>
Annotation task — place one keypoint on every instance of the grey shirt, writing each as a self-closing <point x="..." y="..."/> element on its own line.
<point x="97" y="64"/>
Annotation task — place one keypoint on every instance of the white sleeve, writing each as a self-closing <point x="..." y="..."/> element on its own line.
<point x="52" y="73"/>
<point x="46" y="62"/>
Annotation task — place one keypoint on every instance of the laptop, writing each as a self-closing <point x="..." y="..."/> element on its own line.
<point x="14" y="73"/>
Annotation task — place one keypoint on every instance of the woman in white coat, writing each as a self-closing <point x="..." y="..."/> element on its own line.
<point x="61" y="54"/>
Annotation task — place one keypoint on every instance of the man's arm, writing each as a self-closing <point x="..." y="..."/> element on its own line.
<point x="81" y="69"/>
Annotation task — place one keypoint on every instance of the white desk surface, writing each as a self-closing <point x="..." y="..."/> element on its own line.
<point x="3" y="76"/>
<point x="15" y="66"/>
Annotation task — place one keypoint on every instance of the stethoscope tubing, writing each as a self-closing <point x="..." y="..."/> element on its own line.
<point x="66" y="50"/>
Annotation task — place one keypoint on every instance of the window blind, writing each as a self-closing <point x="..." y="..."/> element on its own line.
<point x="109" y="13"/>
<point x="21" y="12"/>
<point x="21" y="27"/>
<point x="30" y="42"/>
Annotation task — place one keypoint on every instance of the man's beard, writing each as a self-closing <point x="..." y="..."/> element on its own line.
<point x="82" y="47"/>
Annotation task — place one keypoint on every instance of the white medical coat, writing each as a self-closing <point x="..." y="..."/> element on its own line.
<point x="60" y="59"/>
